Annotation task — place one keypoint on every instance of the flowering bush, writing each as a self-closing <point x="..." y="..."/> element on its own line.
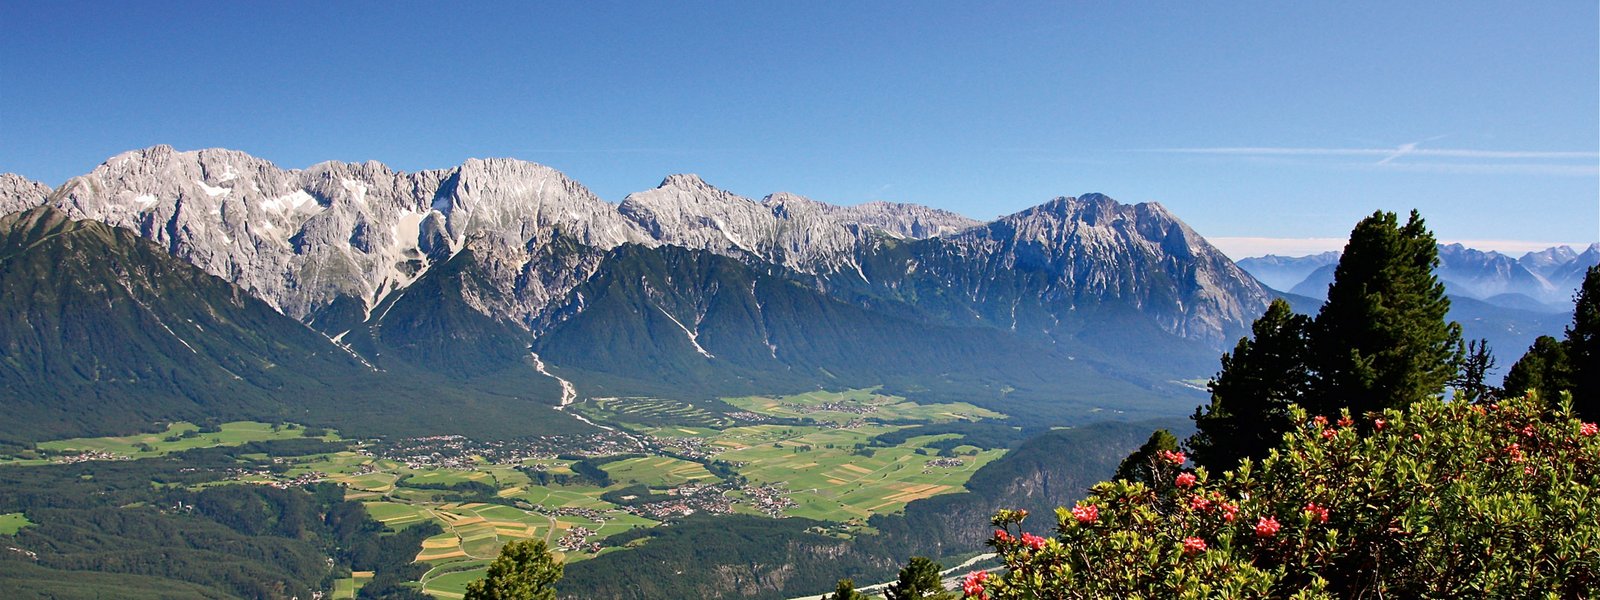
<point x="1443" y="500"/>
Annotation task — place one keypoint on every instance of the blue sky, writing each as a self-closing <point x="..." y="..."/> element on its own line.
<point x="1249" y="120"/>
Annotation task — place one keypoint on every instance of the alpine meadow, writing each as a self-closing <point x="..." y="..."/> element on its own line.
<point x="500" y="301"/>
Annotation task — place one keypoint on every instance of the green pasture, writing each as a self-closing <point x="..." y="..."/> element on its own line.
<point x="11" y="523"/>
<point x="657" y="471"/>
<point x="830" y="481"/>
<point x="231" y="434"/>
<point x="851" y="405"/>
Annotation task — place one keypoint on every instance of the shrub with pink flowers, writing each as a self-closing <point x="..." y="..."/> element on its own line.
<point x="1441" y="500"/>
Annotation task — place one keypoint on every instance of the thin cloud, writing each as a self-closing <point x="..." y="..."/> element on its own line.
<point x="1389" y="153"/>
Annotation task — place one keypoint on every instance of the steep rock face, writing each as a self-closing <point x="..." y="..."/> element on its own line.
<point x="1031" y="270"/>
<point x="18" y="193"/>
<point x="783" y="228"/>
<point x="902" y="220"/>
<point x="340" y="234"/>
<point x="332" y="243"/>
<point x="295" y="239"/>
<point x="686" y="211"/>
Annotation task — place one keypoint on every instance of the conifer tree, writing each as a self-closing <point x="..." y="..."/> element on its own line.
<point x="1381" y="339"/>
<point x="525" y="570"/>
<point x="1250" y="397"/>
<point x="919" y="580"/>
<point x="1543" y="369"/>
<point x="1141" y="465"/>
<point x="846" y="591"/>
<point x="1583" y="348"/>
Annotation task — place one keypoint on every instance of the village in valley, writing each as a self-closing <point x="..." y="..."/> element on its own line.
<point x="655" y="462"/>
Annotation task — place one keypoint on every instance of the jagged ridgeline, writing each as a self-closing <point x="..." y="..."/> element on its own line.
<point x="103" y="332"/>
<point x="442" y="285"/>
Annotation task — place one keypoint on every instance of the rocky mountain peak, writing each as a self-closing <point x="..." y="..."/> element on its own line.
<point x="303" y="240"/>
<point x="1543" y="261"/>
<point x="18" y="193"/>
<point x="1098" y="248"/>
<point x="686" y="181"/>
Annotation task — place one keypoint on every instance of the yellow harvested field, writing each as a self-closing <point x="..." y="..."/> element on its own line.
<point x="916" y="492"/>
<point x="440" y="543"/>
<point x="425" y="555"/>
<point x="858" y="469"/>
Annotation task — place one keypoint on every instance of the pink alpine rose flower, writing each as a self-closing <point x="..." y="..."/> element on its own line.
<point x="1033" y="541"/>
<point x="1267" y="527"/>
<point x="1086" y="513"/>
<point x="1193" y="545"/>
<point x="1328" y="434"/>
<point x="1378" y="424"/>
<point x="1185" y="480"/>
<point x="1176" y="458"/>
<point x="972" y="584"/>
<point x="1346" y="421"/>
<point x="1320" y="513"/>
<point x="1589" y="429"/>
<point x="1000" y="535"/>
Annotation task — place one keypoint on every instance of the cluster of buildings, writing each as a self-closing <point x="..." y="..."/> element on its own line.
<point x="690" y="448"/>
<point x="689" y="499"/>
<point x="302" y="480"/>
<point x="576" y="540"/>
<point x="598" y="516"/>
<point x="849" y="408"/>
<point x="945" y="462"/>
<point x="770" y="499"/>
<point x="89" y="455"/>
<point x="460" y="452"/>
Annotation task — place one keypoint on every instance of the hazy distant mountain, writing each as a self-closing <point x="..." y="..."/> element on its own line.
<point x="1316" y="283"/>
<point x="1544" y="262"/>
<point x="1478" y="274"/>
<point x="1284" y="272"/>
<point x="1493" y="296"/>
<point x="1568" y="277"/>
<point x="1539" y="281"/>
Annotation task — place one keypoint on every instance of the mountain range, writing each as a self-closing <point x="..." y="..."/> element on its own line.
<point x="499" y="283"/>
<point x="1542" y="281"/>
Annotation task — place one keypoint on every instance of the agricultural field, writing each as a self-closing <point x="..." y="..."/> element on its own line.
<point x="830" y="480"/>
<point x="177" y="437"/>
<point x="658" y="471"/>
<point x="657" y="412"/>
<point x="810" y="455"/>
<point x="852" y="405"/>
